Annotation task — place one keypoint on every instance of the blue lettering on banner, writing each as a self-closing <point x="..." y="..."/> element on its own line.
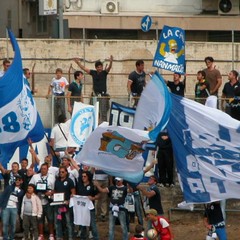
<point x="10" y="123"/>
<point x="121" y="115"/>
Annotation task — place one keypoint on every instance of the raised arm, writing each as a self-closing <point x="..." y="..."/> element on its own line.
<point x="78" y="62"/>
<point x="100" y="189"/>
<point x="2" y="169"/>
<point x="110" y="64"/>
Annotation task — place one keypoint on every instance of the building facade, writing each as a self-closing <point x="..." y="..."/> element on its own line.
<point x="203" y="20"/>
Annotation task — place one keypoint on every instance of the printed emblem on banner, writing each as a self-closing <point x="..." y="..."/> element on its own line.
<point x="82" y="125"/>
<point x="115" y="143"/>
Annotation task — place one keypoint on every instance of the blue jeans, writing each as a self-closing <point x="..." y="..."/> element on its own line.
<point x="93" y="226"/>
<point x="138" y="209"/>
<point x="68" y="224"/>
<point x="221" y="233"/>
<point x="122" y="220"/>
<point x="9" y="217"/>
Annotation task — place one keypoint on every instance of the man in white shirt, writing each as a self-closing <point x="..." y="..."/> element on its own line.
<point x="44" y="183"/>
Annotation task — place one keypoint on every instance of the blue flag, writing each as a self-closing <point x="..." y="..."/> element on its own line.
<point x="19" y="117"/>
<point x="170" y="53"/>
<point x="121" y="115"/>
<point x="206" y="148"/>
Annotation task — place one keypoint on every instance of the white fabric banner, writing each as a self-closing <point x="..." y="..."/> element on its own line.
<point x="116" y="150"/>
<point x="84" y="121"/>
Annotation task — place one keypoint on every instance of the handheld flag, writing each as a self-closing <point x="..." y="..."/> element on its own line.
<point x="206" y="147"/>
<point x="115" y="150"/>
<point x="170" y="53"/>
<point x="19" y="116"/>
<point x="154" y="107"/>
<point x="84" y="121"/>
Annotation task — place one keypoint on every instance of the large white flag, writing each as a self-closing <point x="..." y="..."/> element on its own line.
<point x="207" y="151"/>
<point x="116" y="150"/>
<point x="84" y="121"/>
<point x="154" y="107"/>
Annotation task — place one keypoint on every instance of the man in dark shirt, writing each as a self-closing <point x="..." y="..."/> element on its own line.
<point x="75" y="90"/>
<point x="9" y="175"/>
<point x="64" y="184"/>
<point x="136" y="81"/>
<point x="85" y="187"/>
<point x="99" y="77"/>
<point x="117" y="194"/>
<point x="229" y="90"/>
<point x="153" y="197"/>
<point x="176" y="86"/>
<point x="214" y="221"/>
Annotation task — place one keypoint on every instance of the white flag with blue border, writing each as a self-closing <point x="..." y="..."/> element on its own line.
<point x="84" y="120"/>
<point x="207" y="151"/>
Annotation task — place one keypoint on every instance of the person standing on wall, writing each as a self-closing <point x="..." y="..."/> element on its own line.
<point x="99" y="77"/>
<point x="75" y="90"/>
<point x="58" y="86"/>
<point x="213" y="76"/>
<point x="136" y="82"/>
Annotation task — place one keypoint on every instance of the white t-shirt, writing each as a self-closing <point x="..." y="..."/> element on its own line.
<point x="81" y="210"/>
<point x="49" y="180"/>
<point x="59" y="85"/>
<point x="56" y="134"/>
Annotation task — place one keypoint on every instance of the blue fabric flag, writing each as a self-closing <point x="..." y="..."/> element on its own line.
<point x="154" y="107"/>
<point x="19" y="117"/>
<point x="170" y="53"/>
<point x="206" y="148"/>
<point x="121" y="115"/>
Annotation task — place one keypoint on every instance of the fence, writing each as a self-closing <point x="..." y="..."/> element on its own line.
<point x="46" y="106"/>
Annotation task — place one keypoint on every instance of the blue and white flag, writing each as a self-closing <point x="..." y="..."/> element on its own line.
<point x="115" y="150"/>
<point x="207" y="151"/>
<point x="121" y="115"/>
<point x="154" y="107"/>
<point x="84" y="121"/>
<point x="19" y="116"/>
<point x="170" y="53"/>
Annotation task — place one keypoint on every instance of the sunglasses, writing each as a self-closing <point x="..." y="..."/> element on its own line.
<point x="84" y="176"/>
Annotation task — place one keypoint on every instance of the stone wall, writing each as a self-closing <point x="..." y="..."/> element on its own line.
<point x="50" y="54"/>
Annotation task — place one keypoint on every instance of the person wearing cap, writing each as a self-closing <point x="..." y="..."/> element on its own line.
<point x="117" y="194"/>
<point x="10" y="204"/>
<point x="72" y="171"/>
<point x="160" y="224"/>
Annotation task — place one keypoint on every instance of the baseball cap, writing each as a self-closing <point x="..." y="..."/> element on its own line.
<point x="118" y="179"/>
<point x="151" y="211"/>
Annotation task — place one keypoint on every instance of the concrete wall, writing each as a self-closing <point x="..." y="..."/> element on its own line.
<point x="50" y="54"/>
